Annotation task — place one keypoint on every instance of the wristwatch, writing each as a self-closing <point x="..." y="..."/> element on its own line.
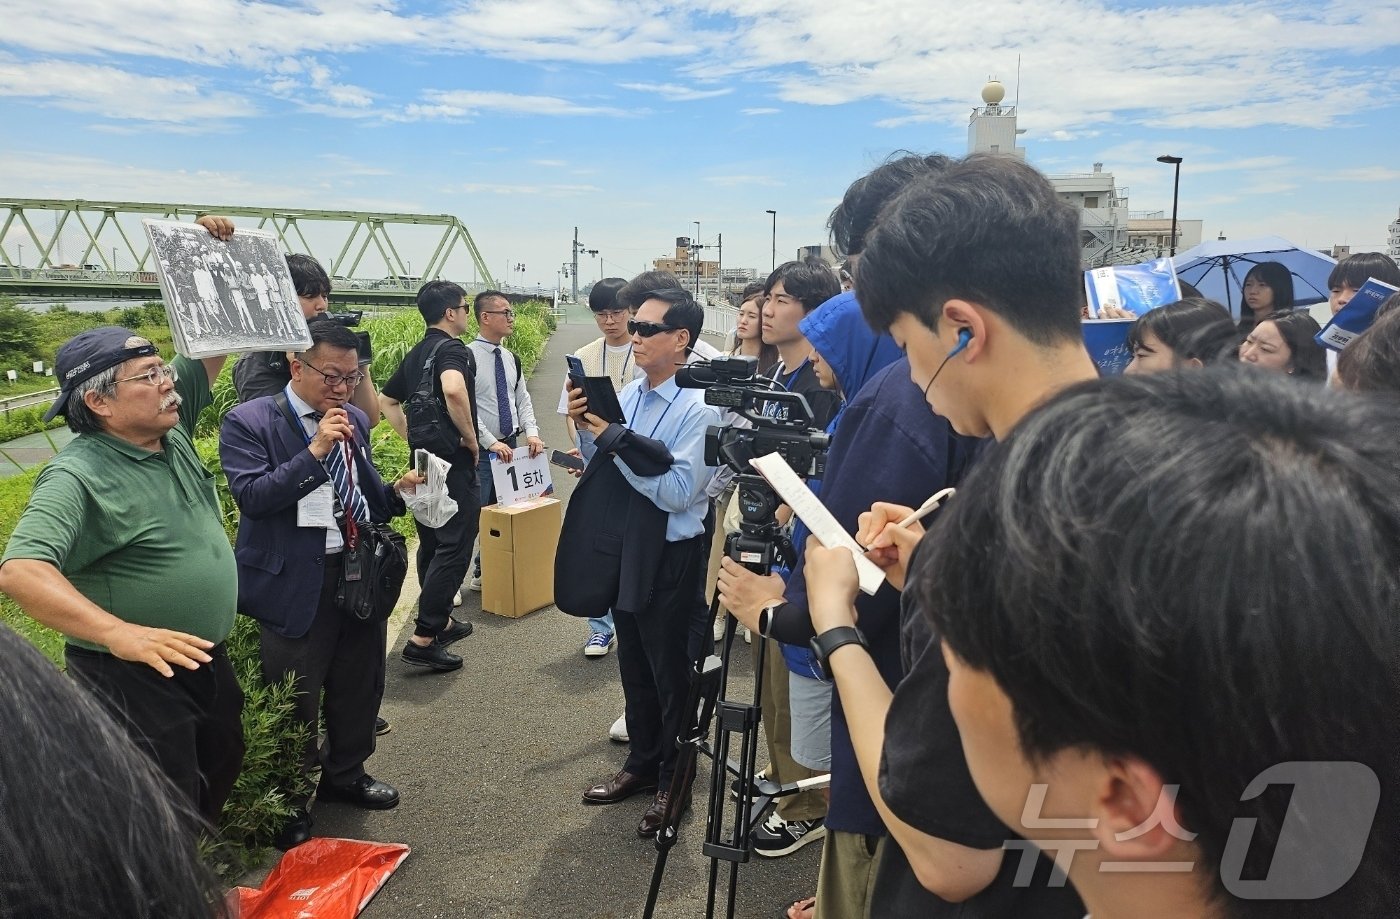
<point x="827" y="642"/>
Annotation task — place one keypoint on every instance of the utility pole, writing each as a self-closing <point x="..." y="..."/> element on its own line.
<point x="575" y="258"/>
<point x="719" y="243"/>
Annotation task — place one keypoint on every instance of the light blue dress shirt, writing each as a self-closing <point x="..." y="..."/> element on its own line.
<point x="678" y="418"/>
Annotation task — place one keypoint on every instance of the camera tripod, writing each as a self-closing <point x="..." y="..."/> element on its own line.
<point x="759" y="547"/>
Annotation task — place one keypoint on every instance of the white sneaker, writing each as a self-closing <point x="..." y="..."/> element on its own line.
<point x="618" y="732"/>
<point x="719" y="628"/>
<point x="748" y="636"/>
<point x="474" y="583"/>
<point x="457" y="598"/>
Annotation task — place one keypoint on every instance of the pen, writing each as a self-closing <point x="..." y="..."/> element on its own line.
<point x="928" y="507"/>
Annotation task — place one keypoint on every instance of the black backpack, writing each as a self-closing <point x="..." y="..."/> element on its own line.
<point x="429" y="425"/>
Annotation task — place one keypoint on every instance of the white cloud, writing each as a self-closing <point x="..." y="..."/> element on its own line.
<point x="759" y="111"/>
<point x="311" y="86"/>
<point x="1361" y="174"/>
<point x="675" y="92"/>
<point x="489" y="188"/>
<point x="736" y="181"/>
<point x="464" y="104"/>
<point x="110" y="92"/>
<point x="549" y="164"/>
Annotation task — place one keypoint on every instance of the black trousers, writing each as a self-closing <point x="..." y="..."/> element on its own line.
<point x="445" y="552"/>
<point x="656" y="649"/>
<point x="191" y="724"/>
<point x="343" y="656"/>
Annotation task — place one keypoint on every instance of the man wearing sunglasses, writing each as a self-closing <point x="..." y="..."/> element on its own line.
<point x="122" y="550"/>
<point x="659" y="612"/>
<point x="504" y="410"/>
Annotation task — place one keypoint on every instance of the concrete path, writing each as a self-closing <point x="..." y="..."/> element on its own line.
<point x="491" y="762"/>
<point x="31" y="450"/>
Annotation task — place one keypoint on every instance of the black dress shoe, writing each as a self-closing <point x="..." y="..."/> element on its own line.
<point x="653" y="817"/>
<point x="618" y="788"/>
<point x="296" y="832"/>
<point x="456" y="630"/>
<point x="381" y="727"/>
<point x="363" y="792"/>
<point x="432" y="655"/>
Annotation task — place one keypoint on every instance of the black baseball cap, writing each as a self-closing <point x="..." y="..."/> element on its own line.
<point x="87" y="354"/>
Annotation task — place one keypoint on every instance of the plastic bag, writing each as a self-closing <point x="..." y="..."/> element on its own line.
<point x="429" y="502"/>
<point x="323" y="878"/>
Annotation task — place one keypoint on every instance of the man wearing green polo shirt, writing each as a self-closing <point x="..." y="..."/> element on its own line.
<point x="122" y="549"/>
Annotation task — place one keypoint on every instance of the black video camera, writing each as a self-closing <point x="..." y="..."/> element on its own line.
<point x="350" y="319"/>
<point x="782" y="420"/>
<point x="782" y="424"/>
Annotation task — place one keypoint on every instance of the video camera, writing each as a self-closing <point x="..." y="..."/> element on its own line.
<point x="782" y="423"/>
<point x="350" y="319"/>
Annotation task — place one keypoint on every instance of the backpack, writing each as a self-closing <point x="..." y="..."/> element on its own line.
<point x="429" y="425"/>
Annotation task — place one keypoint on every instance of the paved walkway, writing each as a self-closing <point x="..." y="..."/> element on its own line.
<point x="491" y="761"/>
<point x="31" y="450"/>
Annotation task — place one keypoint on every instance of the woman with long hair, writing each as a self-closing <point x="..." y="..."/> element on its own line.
<point x="748" y="330"/>
<point x="1268" y="289"/>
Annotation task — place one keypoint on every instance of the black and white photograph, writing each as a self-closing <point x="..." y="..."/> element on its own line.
<point x="225" y="297"/>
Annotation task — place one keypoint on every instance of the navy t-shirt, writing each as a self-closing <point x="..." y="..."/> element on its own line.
<point x="453" y="355"/>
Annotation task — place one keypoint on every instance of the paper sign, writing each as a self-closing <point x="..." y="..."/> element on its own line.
<point x="1356" y="317"/>
<point x="819" y="520"/>
<point x="1107" y="341"/>
<point x="1136" y="288"/>
<point x="11" y="375"/>
<point x="38" y="366"/>
<point x="522" y="478"/>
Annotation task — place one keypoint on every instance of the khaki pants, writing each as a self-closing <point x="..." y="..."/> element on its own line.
<point x="847" y="877"/>
<point x="777" y="726"/>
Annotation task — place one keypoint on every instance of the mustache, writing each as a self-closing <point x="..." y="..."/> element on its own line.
<point x="172" y="400"/>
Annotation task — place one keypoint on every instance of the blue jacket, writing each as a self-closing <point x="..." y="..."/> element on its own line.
<point x="837" y="331"/>
<point x="889" y="447"/>
<point x="269" y="469"/>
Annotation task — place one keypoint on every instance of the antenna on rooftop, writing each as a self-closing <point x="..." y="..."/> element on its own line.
<point x="1017" y="103"/>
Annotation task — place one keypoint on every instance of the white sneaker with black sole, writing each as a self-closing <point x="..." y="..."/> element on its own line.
<point x="778" y="837"/>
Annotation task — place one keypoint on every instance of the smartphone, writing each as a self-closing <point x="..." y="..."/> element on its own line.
<point x="576" y="374"/>
<point x="366" y="352"/>
<point x="420" y="462"/>
<point x="567" y="460"/>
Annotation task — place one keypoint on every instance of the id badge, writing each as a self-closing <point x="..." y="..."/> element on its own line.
<point x="353" y="569"/>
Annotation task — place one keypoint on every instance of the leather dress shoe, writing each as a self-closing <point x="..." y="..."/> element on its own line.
<point x="363" y="792"/>
<point x="432" y="655"/>
<point x="296" y="831"/>
<point x="455" y="631"/>
<point x="618" y="788"/>
<point x="654" y="816"/>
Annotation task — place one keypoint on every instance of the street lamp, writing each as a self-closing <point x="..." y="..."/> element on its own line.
<point x="695" y="252"/>
<point x="775" y="239"/>
<point x="1175" y="163"/>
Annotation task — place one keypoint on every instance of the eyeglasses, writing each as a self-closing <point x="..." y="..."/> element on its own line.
<point x="509" y="314"/>
<point x="610" y="315"/>
<point x="334" y="380"/>
<point x="647" y="329"/>
<point x="155" y="375"/>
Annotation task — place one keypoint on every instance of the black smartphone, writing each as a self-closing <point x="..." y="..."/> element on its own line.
<point x="567" y="460"/>
<point x="576" y="374"/>
<point x="420" y="462"/>
<point x="366" y="354"/>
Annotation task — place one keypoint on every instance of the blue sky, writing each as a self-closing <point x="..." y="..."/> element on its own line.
<point x="631" y="120"/>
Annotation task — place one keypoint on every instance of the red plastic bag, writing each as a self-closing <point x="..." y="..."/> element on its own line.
<point x="322" y="878"/>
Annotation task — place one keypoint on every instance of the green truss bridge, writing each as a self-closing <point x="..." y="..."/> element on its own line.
<point x="83" y="250"/>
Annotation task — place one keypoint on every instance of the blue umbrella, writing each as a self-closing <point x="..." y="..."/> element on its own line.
<point x="1217" y="268"/>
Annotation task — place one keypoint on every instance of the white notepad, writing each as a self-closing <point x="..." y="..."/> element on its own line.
<point x="811" y="511"/>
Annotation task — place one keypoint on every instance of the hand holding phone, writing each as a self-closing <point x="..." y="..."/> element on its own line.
<point x="567" y="460"/>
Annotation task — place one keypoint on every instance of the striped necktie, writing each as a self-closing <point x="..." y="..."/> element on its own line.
<point x="337" y="464"/>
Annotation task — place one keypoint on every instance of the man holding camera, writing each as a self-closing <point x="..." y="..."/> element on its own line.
<point x="659" y="624"/>
<point x="265" y="373"/>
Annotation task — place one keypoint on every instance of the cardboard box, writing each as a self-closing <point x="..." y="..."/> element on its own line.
<point x="517" y="556"/>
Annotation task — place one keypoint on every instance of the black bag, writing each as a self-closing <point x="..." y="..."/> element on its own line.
<point x="429" y="426"/>
<point x="374" y="564"/>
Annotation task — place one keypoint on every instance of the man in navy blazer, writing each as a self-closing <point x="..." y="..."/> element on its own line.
<point x="298" y="466"/>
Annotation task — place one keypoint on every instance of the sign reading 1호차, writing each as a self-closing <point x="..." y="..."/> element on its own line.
<point x="523" y="478"/>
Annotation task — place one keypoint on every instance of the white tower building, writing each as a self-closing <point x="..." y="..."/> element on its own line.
<point x="992" y="128"/>
<point x="1393" y="247"/>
